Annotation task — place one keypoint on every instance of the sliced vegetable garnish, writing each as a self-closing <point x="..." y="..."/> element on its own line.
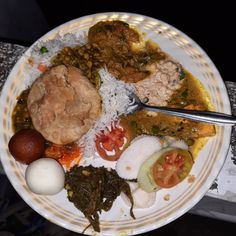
<point x="145" y="178"/>
<point x="172" y="167"/>
<point x="42" y="67"/>
<point x="182" y="75"/>
<point x="112" y="143"/>
<point x="43" y="50"/>
<point x="164" y="169"/>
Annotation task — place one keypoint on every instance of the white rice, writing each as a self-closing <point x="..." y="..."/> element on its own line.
<point x="54" y="46"/>
<point x="114" y="93"/>
<point x="115" y="102"/>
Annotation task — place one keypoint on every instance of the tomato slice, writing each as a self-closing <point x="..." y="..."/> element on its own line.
<point x="172" y="167"/>
<point x="114" y="142"/>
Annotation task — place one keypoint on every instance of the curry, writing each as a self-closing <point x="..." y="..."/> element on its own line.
<point x="111" y="44"/>
<point x="191" y="95"/>
<point x="20" y="116"/>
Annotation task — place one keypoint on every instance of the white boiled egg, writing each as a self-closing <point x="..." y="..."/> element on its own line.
<point x="45" y="176"/>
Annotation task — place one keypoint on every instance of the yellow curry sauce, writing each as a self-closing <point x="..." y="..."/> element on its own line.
<point x="191" y="95"/>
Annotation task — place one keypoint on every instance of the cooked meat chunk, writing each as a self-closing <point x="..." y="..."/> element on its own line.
<point x="159" y="86"/>
<point x="63" y="104"/>
<point x="113" y="33"/>
<point x="153" y="92"/>
<point x="123" y="50"/>
<point x="168" y="72"/>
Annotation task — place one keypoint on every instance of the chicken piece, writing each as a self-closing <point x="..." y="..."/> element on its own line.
<point x="186" y="128"/>
<point x="160" y="85"/>
<point x="205" y="130"/>
<point x="202" y="129"/>
<point x="63" y="104"/>
<point x="198" y="107"/>
<point x="168" y="73"/>
<point x="153" y="92"/>
<point x="112" y="33"/>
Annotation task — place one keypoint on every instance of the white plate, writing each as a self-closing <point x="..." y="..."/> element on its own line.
<point x="182" y="197"/>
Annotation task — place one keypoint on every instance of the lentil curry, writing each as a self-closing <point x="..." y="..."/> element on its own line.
<point x="191" y="95"/>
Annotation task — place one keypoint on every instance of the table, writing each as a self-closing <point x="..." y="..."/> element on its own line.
<point x="220" y="201"/>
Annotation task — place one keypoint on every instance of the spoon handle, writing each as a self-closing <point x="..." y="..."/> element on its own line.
<point x="204" y="116"/>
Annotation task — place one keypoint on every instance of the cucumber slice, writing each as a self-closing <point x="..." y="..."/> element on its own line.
<point x="145" y="179"/>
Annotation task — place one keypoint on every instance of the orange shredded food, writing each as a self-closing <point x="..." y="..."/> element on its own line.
<point x="64" y="154"/>
<point x="42" y="67"/>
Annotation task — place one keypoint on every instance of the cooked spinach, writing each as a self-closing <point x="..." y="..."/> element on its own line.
<point x="43" y="50"/>
<point x="94" y="189"/>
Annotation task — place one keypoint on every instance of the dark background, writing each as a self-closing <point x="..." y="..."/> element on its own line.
<point x="211" y="25"/>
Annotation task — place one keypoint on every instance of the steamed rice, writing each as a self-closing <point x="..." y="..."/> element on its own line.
<point x="114" y="93"/>
<point x="115" y="97"/>
<point x="54" y="46"/>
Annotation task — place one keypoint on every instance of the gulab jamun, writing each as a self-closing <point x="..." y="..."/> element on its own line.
<point x="27" y="145"/>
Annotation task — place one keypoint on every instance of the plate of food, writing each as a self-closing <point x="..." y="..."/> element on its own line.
<point x="75" y="152"/>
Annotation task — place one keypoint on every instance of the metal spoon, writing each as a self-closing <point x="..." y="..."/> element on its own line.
<point x="203" y="116"/>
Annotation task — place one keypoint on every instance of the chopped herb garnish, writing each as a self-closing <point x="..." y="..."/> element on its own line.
<point x="145" y="100"/>
<point x="133" y="124"/>
<point x="184" y="94"/>
<point x="155" y="130"/>
<point x="190" y="142"/>
<point x="182" y="75"/>
<point x="43" y="50"/>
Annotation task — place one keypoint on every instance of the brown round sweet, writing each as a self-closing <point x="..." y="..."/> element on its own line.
<point x="27" y="145"/>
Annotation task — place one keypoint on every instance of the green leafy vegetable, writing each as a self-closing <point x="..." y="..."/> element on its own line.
<point x="182" y="75"/>
<point x="145" y="100"/>
<point x="155" y="130"/>
<point x="43" y="50"/>
<point x="94" y="189"/>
